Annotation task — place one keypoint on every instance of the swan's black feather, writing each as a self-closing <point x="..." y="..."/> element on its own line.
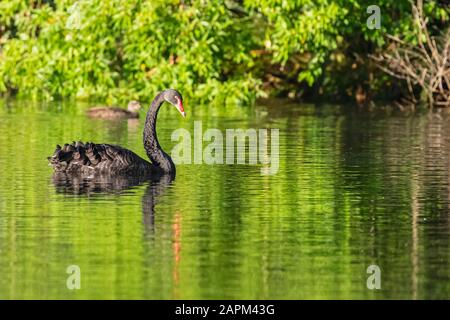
<point x="79" y="157"/>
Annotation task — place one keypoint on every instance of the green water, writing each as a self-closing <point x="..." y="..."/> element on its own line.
<point x="353" y="189"/>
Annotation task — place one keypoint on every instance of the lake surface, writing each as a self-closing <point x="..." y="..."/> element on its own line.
<point x="354" y="189"/>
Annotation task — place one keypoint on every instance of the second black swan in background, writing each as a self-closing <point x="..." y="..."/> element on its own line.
<point x="91" y="158"/>
<point x="113" y="113"/>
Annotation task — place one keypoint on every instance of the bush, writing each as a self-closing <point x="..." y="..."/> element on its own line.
<point x="213" y="51"/>
<point x="121" y="50"/>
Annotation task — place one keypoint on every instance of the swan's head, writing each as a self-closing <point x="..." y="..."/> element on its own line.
<point x="173" y="97"/>
<point x="134" y="106"/>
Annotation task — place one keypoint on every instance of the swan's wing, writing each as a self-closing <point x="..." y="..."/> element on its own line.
<point x="80" y="157"/>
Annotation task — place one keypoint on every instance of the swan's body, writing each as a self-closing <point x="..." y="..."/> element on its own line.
<point x="132" y="112"/>
<point x="91" y="158"/>
<point x="87" y="158"/>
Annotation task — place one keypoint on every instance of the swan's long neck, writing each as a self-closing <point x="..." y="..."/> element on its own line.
<point x="156" y="155"/>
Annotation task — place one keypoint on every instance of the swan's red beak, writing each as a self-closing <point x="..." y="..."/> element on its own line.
<point x="180" y="108"/>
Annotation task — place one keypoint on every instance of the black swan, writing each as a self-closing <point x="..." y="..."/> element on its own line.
<point x="91" y="158"/>
<point x="132" y="112"/>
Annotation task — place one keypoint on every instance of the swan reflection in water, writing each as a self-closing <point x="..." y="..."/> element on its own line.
<point x="78" y="184"/>
<point x="106" y="184"/>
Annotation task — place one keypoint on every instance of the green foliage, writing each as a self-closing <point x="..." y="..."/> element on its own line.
<point x="224" y="51"/>
<point x="117" y="49"/>
<point x="301" y="27"/>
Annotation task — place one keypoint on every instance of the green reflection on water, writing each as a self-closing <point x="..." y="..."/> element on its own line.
<point x="353" y="189"/>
